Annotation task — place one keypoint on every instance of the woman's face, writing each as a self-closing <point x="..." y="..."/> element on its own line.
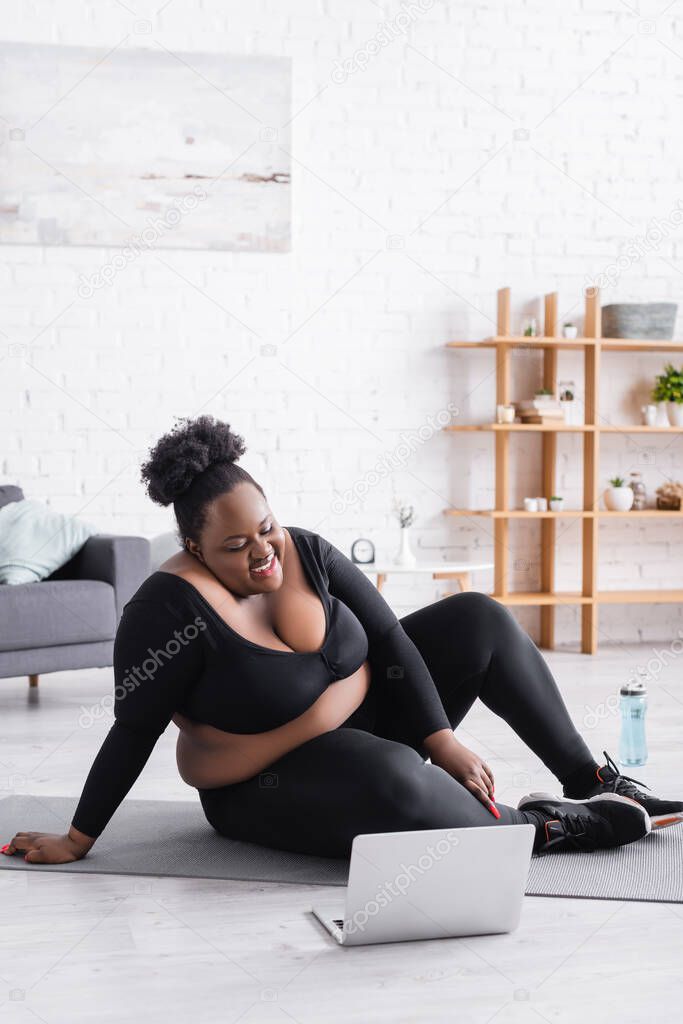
<point x="240" y="534"/>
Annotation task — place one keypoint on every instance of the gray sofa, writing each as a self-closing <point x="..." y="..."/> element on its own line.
<point x="69" y="620"/>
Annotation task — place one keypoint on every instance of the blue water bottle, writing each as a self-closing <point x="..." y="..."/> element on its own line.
<point x="633" y="706"/>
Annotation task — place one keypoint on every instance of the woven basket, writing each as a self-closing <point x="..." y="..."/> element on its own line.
<point x="653" y="320"/>
<point x="669" y="504"/>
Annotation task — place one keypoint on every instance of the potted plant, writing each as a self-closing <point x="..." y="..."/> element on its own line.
<point x="669" y="388"/>
<point x="569" y="330"/>
<point x="556" y="503"/>
<point x="618" y="496"/>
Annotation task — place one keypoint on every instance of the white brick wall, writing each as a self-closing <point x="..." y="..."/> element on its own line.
<point x="87" y="385"/>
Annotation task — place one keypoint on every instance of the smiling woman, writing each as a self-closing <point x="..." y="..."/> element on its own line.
<point x="306" y="710"/>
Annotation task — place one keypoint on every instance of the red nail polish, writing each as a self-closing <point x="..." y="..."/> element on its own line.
<point x="494" y="810"/>
<point x="5" y="847"/>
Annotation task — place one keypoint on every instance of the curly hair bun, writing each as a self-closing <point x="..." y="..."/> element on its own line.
<point x="189" y="448"/>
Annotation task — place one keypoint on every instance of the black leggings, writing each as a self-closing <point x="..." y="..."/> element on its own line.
<point x="370" y="775"/>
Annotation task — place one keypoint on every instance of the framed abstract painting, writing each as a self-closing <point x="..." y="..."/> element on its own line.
<point x="144" y="147"/>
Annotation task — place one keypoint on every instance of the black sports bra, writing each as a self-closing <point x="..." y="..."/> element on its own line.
<point x="174" y="652"/>
<point x="273" y="686"/>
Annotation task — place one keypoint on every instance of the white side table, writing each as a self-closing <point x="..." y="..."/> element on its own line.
<point x="459" y="571"/>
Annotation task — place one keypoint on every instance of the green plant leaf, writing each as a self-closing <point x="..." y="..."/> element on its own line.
<point x="668" y="386"/>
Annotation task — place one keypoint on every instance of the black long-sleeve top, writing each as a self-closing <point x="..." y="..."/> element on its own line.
<point x="174" y="652"/>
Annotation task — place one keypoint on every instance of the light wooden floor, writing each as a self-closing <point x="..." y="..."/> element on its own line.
<point x="111" y="948"/>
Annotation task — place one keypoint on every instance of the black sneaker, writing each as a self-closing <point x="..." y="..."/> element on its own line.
<point x="601" y="823"/>
<point x="610" y="780"/>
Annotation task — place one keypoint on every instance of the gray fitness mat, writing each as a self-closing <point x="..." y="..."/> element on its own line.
<point x="167" y="837"/>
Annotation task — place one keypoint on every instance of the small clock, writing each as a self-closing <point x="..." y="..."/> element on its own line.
<point x="362" y="551"/>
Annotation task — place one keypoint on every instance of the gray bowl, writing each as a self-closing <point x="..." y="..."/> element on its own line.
<point x="653" y="320"/>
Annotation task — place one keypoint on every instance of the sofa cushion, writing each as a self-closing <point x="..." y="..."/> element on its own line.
<point x="55" y="613"/>
<point x="35" y="540"/>
<point x="8" y="493"/>
<point x="161" y="548"/>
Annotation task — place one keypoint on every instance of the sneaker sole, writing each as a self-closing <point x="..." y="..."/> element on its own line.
<point x="616" y="797"/>
<point x="657" y="821"/>
<point x="664" y="820"/>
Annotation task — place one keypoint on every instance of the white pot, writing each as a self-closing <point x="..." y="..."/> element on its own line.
<point x="675" y="411"/>
<point x="649" y="415"/>
<point x="556" y="504"/>
<point x="618" y="499"/>
<point x="405" y="556"/>
<point x="570" y="332"/>
<point x="662" y="415"/>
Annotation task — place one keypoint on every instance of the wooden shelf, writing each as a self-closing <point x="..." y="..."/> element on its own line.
<point x="640" y="596"/>
<point x="537" y="598"/>
<point x="648" y="513"/>
<point x="639" y="345"/>
<point x="549" y="341"/>
<point x="518" y="341"/>
<point x="638" y="428"/>
<point x="577" y="513"/>
<point x="565" y="428"/>
<point x="516" y="513"/>
<point x="504" y="343"/>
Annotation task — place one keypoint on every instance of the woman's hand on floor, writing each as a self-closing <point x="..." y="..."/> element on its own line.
<point x="467" y="767"/>
<point x="47" y="847"/>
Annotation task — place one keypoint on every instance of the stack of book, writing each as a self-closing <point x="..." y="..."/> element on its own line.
<point x="541" y="409"/>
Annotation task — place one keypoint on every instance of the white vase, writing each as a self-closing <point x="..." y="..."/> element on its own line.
<point x="618" y="499"/>
<point x="649" y="415"/>
<point x="662" y="415"/>
<point x="569" y="331"/>
<point x="556" y="504"/>
<point x="675" y="411"/>
<point x="405" y="556"/>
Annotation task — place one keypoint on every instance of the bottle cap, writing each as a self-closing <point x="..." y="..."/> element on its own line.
<point x="634" y="688"/>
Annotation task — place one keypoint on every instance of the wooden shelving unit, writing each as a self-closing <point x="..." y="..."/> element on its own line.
<point x="592" y="345"/>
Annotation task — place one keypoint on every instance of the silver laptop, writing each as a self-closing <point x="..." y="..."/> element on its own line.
<point x="431" y="884"/>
